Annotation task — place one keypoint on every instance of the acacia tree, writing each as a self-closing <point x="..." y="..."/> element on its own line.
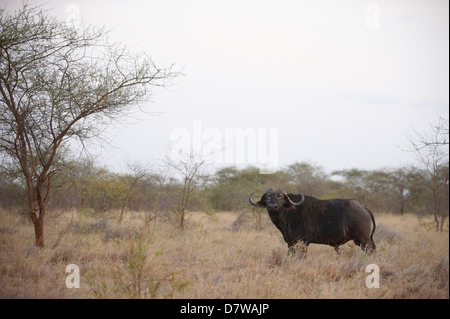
<point x="432" y="153"/>
<point x="58" y="83"/>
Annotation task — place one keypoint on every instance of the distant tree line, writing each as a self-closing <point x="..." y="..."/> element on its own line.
<point x="85" y="186"/>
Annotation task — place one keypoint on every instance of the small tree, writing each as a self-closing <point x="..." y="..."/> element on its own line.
<point x="189" y="168"/>
<point x="432" y="153"/>
<point x="138" y="173"/>
<point x="57" y="84"/>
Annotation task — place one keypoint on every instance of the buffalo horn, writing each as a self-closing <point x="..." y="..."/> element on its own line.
<point x="252" y="202"/>
<point x="298" y="203"/>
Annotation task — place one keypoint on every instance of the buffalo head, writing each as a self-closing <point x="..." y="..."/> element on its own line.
<point x="274" y="200"/>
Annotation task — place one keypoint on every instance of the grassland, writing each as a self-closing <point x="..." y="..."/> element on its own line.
<point x="216" y="256"/>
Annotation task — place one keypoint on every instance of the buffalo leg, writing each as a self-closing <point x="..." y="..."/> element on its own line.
<point x="298" y="249"/>
<point x="367" y="247"/>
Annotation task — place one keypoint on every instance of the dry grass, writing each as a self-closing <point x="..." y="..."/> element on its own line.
<point x="213" y="259"/>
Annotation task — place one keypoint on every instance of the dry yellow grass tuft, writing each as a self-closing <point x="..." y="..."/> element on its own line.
<point x="213" y="258"/>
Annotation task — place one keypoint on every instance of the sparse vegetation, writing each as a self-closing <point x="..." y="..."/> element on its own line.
<point x="179" y="231"/>
<point x="211" y="259"/>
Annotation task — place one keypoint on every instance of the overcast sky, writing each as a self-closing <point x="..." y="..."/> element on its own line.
<point x="341" y="83"/>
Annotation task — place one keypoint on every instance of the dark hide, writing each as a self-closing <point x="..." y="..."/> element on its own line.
<point x="330" y="222"/>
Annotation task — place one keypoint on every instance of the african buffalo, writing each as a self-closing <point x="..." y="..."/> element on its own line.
<point x="304" y="220"/>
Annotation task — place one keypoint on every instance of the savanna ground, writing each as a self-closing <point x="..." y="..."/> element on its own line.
<point x="218" y="256"/>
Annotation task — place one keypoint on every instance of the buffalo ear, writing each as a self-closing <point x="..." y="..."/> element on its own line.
<point x="263" y="201"/>
<point x="260" y="203"/>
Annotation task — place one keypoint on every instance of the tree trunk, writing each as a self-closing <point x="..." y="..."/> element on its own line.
<point x="182" y="220"/>
<point x="37" y="204"/>
<point x="38" y="222"/>
<point x="124" y="204"/>
<point x="436" y="220"/>
<point x="435" y="200"/>
<point x="402" y="207"/>
<point x="442" y="221"/>
<point x="39" y="232"/>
